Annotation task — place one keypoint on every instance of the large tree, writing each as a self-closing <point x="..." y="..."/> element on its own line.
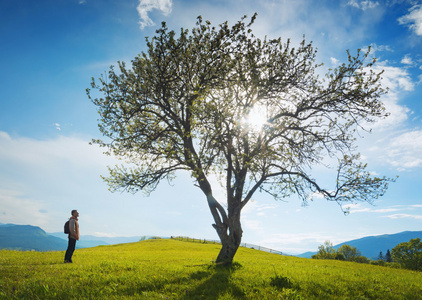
<point x="408" y="254"/>
<point x="192" y="100"/>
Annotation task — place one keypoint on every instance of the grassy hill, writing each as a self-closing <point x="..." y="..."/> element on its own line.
<point x="171" y="269"/>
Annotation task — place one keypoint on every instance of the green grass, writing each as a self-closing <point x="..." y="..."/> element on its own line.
<point x="171" y="269"/>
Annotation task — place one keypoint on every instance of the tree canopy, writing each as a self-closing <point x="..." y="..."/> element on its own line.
<point x="187" y="104"/>
<point x="327" y="251"/>
<point x="408" y="254"/>
<point x="350" y="253"/>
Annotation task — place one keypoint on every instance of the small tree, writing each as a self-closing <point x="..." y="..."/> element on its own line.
<point x="380" y="256"/>
<point x="188" y="104"/>
<point x="388" y="256"/>
<point x="326" y="251"/>
<point x="345" y="252"/>
<point x="350" y="253"/>
<point x="408" y="254"/>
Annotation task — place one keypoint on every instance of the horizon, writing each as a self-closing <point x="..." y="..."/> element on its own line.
<point x="51" y="49"/>
<point x="243" y="244"/>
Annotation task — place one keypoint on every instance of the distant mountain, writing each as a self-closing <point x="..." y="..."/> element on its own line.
<point x="306" y="254"/>
<point x="371" y="246"/>
<point x="90" y="239"/>
<point x="27" y="237"/>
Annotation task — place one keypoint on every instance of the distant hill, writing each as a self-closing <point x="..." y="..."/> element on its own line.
<point x="27" y="237"/>
<point x="102" y="240"/>
<point x="371" y="246"/>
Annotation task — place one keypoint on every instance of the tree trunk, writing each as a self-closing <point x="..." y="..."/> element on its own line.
<point x="230" y="237"/>
<point x="230" y="241"/>
<point x="228" y="229"/>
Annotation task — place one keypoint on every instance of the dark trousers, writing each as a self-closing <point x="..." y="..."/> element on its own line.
<point x="70" y="248"/>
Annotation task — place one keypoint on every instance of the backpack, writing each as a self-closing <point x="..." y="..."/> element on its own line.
<point x="66" y="227"/>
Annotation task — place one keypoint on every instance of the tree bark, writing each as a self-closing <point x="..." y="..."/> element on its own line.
<point x="230" y="240"/>
<point x="228" y="228"/>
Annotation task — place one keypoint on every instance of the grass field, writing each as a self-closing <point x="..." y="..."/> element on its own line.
<point x="171" y="269"/>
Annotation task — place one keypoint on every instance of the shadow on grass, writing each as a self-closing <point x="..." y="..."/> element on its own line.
<point x="215" y="282"/>
<point x="209" y="283"/>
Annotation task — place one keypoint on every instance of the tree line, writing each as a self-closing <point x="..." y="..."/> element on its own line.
<point x="407" y="255"/>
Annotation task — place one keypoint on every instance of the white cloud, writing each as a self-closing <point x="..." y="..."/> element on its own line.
<point x="375" y="47"/>
<point x="18" y="209"/>
<point x="146" y="6"/>
<point x="41" y="181"/>
<point x="413" y="20"/>
<point x="405" y="150"/>
<point x="72" y="151"/>
<point x="407" y="60"/>
<point x="404" y="216"/>
<point x="253" y="225"/>
<point x="334" y="61"/>
<point x="267" y="207"/>
<point x="385" y="210"/>
<point x="356" y="208"/>
<point x="364" y="4"/>
<point x="317" y="195"/>
<point x="397" y="80"/>
<point x="38" y="178"/>
<point x="261" y="209"/>
<point x="400" y="149"/>
<point x="4" y="136"/>
<point x="254" y="206"/>
<point x="254" y="213"/>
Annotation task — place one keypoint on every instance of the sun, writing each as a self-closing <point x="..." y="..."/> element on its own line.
<point x="257" y="117"/>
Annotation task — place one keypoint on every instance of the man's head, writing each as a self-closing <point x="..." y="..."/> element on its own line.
<point x="75" y="213"/>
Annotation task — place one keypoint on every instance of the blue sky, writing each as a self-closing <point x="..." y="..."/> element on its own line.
<point x="50" y="49"/>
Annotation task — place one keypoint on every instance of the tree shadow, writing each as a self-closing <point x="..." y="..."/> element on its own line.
<point x="209" y="283"/>
<point x="216" y="284"/>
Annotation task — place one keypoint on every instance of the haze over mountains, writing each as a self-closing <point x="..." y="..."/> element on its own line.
<point x="27" y="237"/>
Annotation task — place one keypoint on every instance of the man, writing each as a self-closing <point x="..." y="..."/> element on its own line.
<point x="73" y="236"/>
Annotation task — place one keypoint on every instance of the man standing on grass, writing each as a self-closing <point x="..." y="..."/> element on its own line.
<point x="73" y="236"/>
